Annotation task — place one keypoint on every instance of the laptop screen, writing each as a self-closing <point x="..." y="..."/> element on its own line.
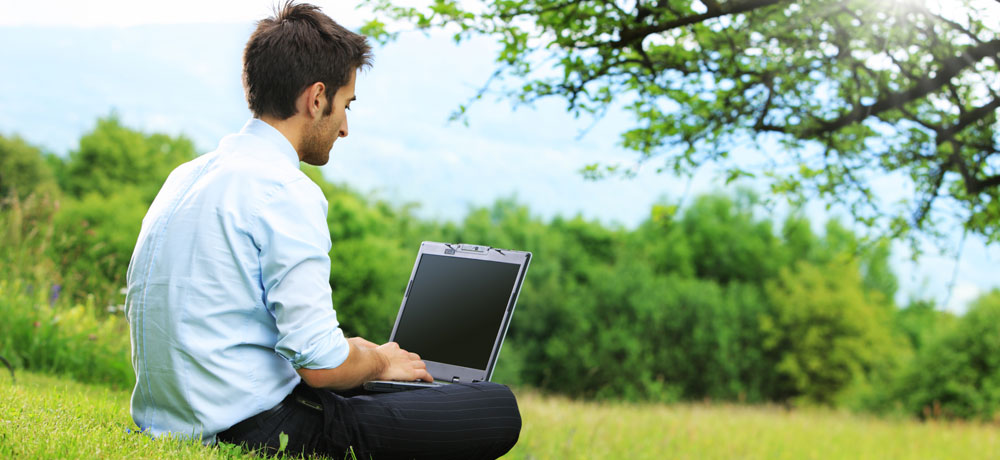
<point x="455" y="308"/>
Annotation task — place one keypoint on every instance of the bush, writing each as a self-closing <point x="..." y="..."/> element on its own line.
<point x="957" y="374"/>
<point x="368" y="277"/>
<point x="41" y="329"/>
<point x="825" y="331"/>
<point x="63" y="339"/>
<point x="23" y="170"/>
<point x="93" y="242"/>
<point x="920" y="322"/>
<point x="621" y="332"/>
<point x="112" y="156"/>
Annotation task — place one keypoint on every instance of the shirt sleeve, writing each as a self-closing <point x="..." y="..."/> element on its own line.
<point x="291" y="233"/>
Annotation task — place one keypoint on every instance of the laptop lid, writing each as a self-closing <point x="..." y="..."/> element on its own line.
<point x="457" y="307"/>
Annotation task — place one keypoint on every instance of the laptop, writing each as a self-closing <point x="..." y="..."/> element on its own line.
<point x="456" y="311"/>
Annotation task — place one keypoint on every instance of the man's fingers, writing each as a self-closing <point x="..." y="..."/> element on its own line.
<point x="425" y="376"/>
<point x="414" y="356"/>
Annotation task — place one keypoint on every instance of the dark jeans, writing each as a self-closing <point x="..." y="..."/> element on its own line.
<point x="475" y="420"/>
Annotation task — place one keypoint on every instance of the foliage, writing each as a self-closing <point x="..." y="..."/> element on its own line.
<point x="113" y="156"/>
<point x="694" y="281"/>
<point x="872" y="258"/>
<point x="728" y="242"/>
<point x="94" y="237"/>
<point x="62" y="339"/>
<point x="920" y="321"/>
<point x="712" y="300"/>
<point x="846" y="91"/>
<point x="26" y="230"/>
<point x="958" y="374"/>
<point x="40" y="329"/>
<point x="368" y="276"/>
<point x="825" y="332"/>
<point x="23" y="170"/>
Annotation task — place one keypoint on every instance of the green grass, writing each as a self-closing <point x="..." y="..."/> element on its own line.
<point x="50" y="417"/>
<point x="558" y="428"/>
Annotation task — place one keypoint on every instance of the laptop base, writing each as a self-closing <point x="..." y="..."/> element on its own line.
<point x="391" y="386"/>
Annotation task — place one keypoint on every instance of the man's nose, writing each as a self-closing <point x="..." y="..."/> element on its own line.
<point x="343" y="128"/>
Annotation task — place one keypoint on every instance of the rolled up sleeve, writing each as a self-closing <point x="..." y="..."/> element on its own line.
<point x="290" y="231"/>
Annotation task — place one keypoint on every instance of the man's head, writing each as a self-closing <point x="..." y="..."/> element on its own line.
<point x="300" y="67"/>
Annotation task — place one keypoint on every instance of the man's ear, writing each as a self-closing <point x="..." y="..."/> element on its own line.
<point x="315" y="99"/>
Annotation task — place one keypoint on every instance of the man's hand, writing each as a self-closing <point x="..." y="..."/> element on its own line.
<point x="401" y="364"/>
<point x="367" y="361"/>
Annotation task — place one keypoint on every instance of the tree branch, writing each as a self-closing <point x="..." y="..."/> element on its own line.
<point x="507" y="16"/>
<point x="954" y="25"/>
<point x="925" y="206"/>
<point x="966" y="119"/>
<point x="914" y="118"/>
<point x="989" y="182"/>
<point x="627" y="36"/>
<point x="893" y="100"/>
<point x="769" y="84"/>
<point x="973" y="185"/>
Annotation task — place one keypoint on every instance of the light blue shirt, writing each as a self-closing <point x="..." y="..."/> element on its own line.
<point x="228" y="288"/>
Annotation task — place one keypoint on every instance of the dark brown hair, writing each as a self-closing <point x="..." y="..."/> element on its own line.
<point x="297" y="47"/>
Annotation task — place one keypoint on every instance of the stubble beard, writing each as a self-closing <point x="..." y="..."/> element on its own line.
<point x="315" y="149"/>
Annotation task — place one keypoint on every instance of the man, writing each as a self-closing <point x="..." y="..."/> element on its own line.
<point x="234" y="337"/>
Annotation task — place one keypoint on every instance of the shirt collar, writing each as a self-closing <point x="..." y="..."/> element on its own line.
<point x="259" y="128"/>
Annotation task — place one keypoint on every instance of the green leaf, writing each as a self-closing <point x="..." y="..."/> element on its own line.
<point x="283" y="441"/>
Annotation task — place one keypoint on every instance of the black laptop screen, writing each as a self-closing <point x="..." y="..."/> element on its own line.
<point x="455" y="309"/>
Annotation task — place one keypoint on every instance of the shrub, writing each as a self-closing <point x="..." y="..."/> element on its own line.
<point x="60" y="338"/>
<point x="93" y="242"/>
<point x="112" y="156"/>
<point x="368" y="276"/>
<point x="957" y="374"/>
<point x="825" y="331"/>
<point x="41" y="330"/>
<point x="23" y="170"/>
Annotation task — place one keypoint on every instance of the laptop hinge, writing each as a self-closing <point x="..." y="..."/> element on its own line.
<point x="454" y="379"/>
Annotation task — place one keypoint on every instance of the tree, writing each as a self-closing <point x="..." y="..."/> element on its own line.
<point x="957" y="374"/>
<point x="825" y="331"/>
<point x="920" y="322"/>
<point x="23" y="170"/>
<point x="113" y="156"/>
<point x="846" y="91"/>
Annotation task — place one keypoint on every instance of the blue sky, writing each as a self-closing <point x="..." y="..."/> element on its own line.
<point x="161" y="72"/>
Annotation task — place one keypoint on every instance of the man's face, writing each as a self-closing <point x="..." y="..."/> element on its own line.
<point x="319" y="137"/>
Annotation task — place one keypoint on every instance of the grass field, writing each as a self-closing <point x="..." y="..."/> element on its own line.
<point x="50" y="417"/>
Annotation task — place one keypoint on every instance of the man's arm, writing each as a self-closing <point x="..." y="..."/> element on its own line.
<point x="367" y="361"/>
<point x="293" y="240"/>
